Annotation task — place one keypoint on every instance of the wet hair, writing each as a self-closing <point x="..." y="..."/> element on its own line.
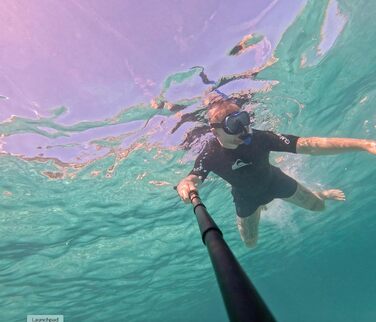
<point x="219" y="107"/>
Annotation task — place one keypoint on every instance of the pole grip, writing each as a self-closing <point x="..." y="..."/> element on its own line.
<point x="205" y="222"/>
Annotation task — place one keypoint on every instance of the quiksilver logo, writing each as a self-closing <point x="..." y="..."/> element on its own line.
<point x="239" y="164"/>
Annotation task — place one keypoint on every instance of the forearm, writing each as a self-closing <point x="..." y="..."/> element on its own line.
<point x="319" y="146"/>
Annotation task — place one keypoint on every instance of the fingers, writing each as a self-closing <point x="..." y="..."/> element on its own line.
<point x="370" y="146"/>
<point x="186" y="186"/>
<point x="183" y="190"/>
<point x="184" y="194"/>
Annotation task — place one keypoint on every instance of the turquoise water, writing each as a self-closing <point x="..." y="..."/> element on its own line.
<point x="105" y="237"/>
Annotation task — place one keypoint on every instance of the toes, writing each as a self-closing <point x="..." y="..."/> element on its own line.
<point x="335" y="194"/>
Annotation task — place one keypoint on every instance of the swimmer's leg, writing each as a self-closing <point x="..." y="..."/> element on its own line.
<point x="248" y="227"/>
<point x="314" y="201"/>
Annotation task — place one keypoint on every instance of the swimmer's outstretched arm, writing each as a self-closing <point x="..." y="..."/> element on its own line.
<point x="319" y="146"/>
<point x="186" y="185"/>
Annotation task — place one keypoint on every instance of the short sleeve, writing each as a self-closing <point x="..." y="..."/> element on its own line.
<point x="279" y="142"/>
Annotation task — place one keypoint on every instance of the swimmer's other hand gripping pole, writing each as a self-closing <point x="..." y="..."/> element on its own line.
<point x="243" y="303"/>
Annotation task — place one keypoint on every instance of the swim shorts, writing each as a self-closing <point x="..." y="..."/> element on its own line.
<point x="281" y="186"/>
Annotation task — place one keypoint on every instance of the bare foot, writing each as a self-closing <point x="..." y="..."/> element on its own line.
<point x="333" y="194"/>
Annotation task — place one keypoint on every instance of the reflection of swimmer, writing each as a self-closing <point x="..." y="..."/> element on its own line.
<point x="240" y="155"/>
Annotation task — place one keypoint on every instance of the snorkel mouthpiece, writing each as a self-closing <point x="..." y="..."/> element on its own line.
<point x="246" y="136"/>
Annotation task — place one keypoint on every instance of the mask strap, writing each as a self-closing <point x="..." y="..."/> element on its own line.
<point x="221" y="93"/>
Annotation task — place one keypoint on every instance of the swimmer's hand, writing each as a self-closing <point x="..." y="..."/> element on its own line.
<point x="187" y="185"/>
<point x="370" y="146"/>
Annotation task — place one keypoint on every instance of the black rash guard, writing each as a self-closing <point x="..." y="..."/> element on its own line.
<point x="253" y="179"/>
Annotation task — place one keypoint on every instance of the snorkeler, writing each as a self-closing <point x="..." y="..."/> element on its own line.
<point x="240" y="155"/>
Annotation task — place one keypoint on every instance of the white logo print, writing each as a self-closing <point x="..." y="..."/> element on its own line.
<point x="239" y="163"/>
<point x="283" y="138"/>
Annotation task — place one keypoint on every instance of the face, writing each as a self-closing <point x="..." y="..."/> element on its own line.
<point x="228" y="141"/>
<point x="217" y="115"/>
